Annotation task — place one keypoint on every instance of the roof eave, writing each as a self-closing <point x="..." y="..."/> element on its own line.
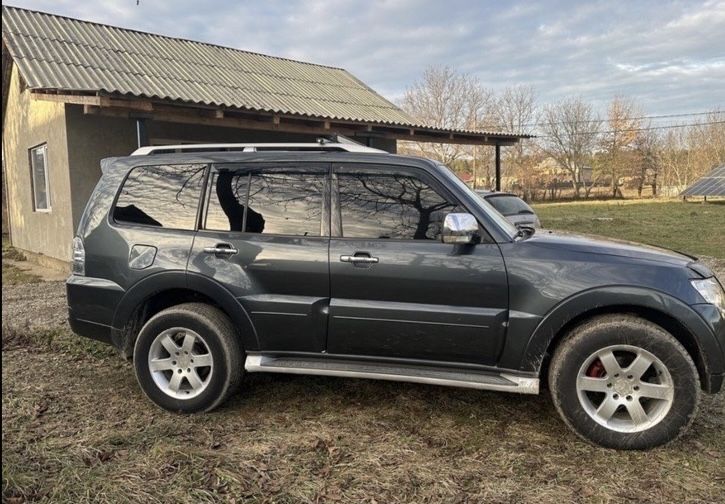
<point x="102" y="103"/>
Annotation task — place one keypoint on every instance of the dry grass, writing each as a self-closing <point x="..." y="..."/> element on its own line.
<point x="77" y="428"/>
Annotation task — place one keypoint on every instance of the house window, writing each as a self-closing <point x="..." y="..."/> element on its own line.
<point x="39" y="174"/>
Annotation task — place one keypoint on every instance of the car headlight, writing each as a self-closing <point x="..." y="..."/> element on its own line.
<point x="711" y="290"/>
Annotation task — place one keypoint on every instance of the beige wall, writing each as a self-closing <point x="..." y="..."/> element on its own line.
<point x="29" y="123"/>
<point x="90" y="139"/>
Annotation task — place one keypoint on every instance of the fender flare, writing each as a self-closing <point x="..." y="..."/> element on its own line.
<point x="709" y="349"/>
<point x="156" y="283"/>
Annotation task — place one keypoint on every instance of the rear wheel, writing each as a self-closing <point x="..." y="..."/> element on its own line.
<point x="624" y="382"/>
<point x="187" y="358"/>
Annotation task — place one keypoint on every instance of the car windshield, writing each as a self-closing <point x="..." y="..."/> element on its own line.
<point x="509" y="205"/>
<point x="494" y="214"/>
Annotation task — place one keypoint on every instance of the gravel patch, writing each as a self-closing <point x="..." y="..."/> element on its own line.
<point x="41" y="304"/>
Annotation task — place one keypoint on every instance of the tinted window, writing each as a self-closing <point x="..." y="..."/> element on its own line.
<point x="162" y="196"/>
<point x="396" y="206"/>
<point x="509" y="205"/>
<point x="272" y="202"/>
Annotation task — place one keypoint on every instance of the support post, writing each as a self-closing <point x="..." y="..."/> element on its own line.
<point x="498" y="167"/>
<point x="142" y="134"/>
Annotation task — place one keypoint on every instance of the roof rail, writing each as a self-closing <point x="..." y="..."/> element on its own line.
<point x="322" y="146"/>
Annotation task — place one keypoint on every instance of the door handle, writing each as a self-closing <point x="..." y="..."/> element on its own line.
<point x="359" y="259"/>
<point x="221" y="249"/>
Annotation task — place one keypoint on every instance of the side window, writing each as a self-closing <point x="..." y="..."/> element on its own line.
<point x="39" y="176"/>
<point x="393" y="206"/>
<point x="161" y="196"/>
<point x="282" y="202"/>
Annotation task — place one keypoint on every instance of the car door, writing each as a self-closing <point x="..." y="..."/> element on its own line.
<point x="396" y="289"/>
<point x="265" y="237"/>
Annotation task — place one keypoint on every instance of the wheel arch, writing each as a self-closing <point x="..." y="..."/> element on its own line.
<point x="166" y="289"/>
<point x="659" y="308"/>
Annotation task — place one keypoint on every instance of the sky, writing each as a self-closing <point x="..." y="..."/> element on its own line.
<point x="669" y="56"/>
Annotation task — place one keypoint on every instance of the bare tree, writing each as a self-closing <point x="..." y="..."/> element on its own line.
<point x="444" y="98"/>
<point x="647" y="159"/>
<point x="622" y="130"/>
<point x="516" y="111"/>
<point x="570" y="136"/>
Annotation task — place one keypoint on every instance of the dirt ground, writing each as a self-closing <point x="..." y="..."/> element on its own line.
<point x="76" y="428"/>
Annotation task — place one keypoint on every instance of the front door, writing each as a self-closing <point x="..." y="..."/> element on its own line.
<point x="396" y="289"/>
<point x="265" y="237"/>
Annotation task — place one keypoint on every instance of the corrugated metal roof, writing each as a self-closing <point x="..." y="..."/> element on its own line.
<point x="59" y="53"/>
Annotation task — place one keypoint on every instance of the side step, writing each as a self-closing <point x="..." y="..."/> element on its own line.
<point x="393" y="372"/>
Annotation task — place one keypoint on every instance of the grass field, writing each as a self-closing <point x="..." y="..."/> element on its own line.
<point x="695" y="228"/>
<point x="77" y="428"/>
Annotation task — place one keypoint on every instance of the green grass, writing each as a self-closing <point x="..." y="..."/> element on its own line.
<point x="694" y="228"/>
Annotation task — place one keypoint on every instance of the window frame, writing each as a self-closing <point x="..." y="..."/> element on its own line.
<point x="33" y="183"/>
<point x="321" y="168"/>
<point x="383" y="169"/>
<point x="137" y="225"/>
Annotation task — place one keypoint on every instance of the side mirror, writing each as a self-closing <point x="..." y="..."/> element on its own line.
<point x="460" y="228"/>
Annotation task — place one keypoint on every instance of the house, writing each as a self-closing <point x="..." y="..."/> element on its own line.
<point x="75" y="92"/>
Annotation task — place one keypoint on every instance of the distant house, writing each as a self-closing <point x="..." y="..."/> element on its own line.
<point x="75" y="92"/>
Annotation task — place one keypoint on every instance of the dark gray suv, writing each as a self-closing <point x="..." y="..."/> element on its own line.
<point x="338" y="260"/>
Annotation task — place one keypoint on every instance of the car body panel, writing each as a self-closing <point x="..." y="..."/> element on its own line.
<point x="498" y="304"/>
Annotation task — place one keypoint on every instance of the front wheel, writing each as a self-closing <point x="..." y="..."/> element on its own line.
<point x="623" y="382"/>
<point x="188" y="358"/>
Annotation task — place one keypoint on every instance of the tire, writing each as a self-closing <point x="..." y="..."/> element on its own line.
<point x="600" y="398"/>
<point x="196" y="354"/>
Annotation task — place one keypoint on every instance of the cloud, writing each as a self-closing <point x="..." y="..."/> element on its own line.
<point x="667" y="55"/>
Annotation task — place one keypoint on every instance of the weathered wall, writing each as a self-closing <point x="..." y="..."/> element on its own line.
<point x="90" y="139"/>
<point x="29" y="123"/>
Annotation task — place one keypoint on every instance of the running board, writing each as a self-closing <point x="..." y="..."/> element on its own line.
<point x="380" y="371"/>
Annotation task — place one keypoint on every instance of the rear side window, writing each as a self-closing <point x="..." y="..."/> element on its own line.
<point x="509" y="205"/>
<point x="281" y="202"/>
<point x="390" y="206"/>
<point x="165" y="196"/>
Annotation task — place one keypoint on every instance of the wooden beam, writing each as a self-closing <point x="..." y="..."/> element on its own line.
<point x="145" y="105"/>
<point x="274" y="122"/>
<point x="96" y="101"/>
<point x="74" y="99"/>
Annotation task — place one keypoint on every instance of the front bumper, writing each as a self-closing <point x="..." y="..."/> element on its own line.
<point x="712" y="316"/>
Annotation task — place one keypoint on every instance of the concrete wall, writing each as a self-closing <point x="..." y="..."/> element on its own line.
<point x="29" y="123"/>
<point x="90" y="139"/>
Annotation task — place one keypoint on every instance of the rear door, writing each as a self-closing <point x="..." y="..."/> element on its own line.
<point x="396" y="289"/>
<point x="265" y="237"/>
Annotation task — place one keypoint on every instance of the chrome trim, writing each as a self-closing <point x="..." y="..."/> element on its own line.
<point x="220" y="250"/>
<point x="460" y="228"/>
<point x="359" y="259"/>
<point x="521" y="385"/>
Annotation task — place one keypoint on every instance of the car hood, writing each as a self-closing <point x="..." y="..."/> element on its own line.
<point x="591" y="244"/>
